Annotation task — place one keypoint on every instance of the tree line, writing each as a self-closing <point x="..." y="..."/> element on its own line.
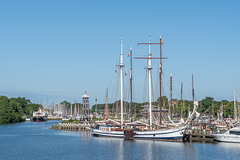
<point x="187" y="105"/>
<point x="13" y="109"/>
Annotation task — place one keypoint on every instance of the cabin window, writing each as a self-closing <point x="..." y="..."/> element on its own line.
<point x="235" y="132"/>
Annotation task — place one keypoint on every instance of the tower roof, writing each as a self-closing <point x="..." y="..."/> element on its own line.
<point x="85" y="95"/>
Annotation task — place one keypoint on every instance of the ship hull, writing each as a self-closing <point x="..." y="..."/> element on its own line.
<point x="116" y="134"/>
<point x="39" y="119"/>
<point x="226" y="138"/>
<point x="160" y="135"/>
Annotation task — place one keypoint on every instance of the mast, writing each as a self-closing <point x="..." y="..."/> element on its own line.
<point x="213" y="108"/>
<point x="96" y="105"/>
<point x="76" y="108"/>
<point x="131" y="80"/>
<point x="121" y="80"/>
<point x="160" y="81"/>
<point x="150" y="83"/>
<point x="149" y="74"/>
<point x="47" y="104"/>
<point x="181" y="99"/>
<point x="107" y="104"/>
<point x="192" y="91"/>
<point x="171" y="96"/>
<point x="235" y="108"/>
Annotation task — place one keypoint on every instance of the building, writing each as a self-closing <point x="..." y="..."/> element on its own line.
<point x="144" y="112"/>
<point x="85" y="114"/>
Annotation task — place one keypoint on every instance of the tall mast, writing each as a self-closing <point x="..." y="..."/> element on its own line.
<point x="131" y="79"/>
<point x="235" y="108"/>
<point x="192" y="91"/>
<point x="181" y="99"/>
<point x="160" y="72"/>
<point x="213" y="108"/>
<point x="149" y="82"/>
<point x="121" y="80"/>
<point x="171" y="96"/>
<point x="107" y="104"/>
<point x="149" y="75"/>
<point x="160" y="81"/>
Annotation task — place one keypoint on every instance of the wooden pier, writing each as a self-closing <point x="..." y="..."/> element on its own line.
<point x="199" y="136"/>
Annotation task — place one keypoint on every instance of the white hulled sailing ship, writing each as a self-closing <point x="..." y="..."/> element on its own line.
<point x="167" y="134"/>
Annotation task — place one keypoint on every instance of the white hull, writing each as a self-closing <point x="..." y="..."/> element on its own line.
<point x="117" y="134"/>
<point x="232" y="135"/>
<point x="226" y="138"/>
<point x="162" y="135"/>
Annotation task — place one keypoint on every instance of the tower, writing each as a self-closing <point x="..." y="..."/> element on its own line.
<point x="85" y="107"/>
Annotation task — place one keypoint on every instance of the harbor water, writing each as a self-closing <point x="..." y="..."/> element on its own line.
<point x="33" y="140"/>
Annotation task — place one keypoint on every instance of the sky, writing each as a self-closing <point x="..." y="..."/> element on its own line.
<point x="60" y="49"/>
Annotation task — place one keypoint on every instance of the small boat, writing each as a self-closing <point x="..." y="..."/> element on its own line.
<point x="65" y="119"/>
<point x="28" y="119"/>
<point x="232" y="135"/>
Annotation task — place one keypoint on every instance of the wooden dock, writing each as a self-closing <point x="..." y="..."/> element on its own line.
<point x="199" y="136"/>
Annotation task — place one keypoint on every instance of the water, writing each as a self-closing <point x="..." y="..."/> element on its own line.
<point x="33" y="140"/>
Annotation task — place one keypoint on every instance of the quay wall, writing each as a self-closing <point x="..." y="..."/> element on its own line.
<point x="72" y="127"/>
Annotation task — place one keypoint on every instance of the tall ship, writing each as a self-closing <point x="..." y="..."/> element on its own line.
<point x="174" y="133"/>
<point x="40" y="115"/>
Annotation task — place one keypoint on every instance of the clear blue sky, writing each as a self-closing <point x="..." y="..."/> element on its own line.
<point x="61" y="48"/>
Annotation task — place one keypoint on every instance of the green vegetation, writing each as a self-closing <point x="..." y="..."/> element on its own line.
<point x="12" y="110"/>
<point x="187" y="105"/>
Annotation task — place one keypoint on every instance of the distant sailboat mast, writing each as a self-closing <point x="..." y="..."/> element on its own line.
<point x="235" y="108"/>
<point x="131" y="82"/>
<point x="181" y="100"/>
<point x="121" y="80"/>
<point x="106" y="107"/>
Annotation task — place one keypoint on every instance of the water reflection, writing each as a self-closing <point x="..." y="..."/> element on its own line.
<point x="229" y="146"/>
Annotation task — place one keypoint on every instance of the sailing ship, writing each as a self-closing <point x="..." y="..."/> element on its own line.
<point x="107" y="130"/>
<point x="175" y="133"/>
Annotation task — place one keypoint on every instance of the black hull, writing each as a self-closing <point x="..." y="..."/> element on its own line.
<point x="39" y="119"/>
